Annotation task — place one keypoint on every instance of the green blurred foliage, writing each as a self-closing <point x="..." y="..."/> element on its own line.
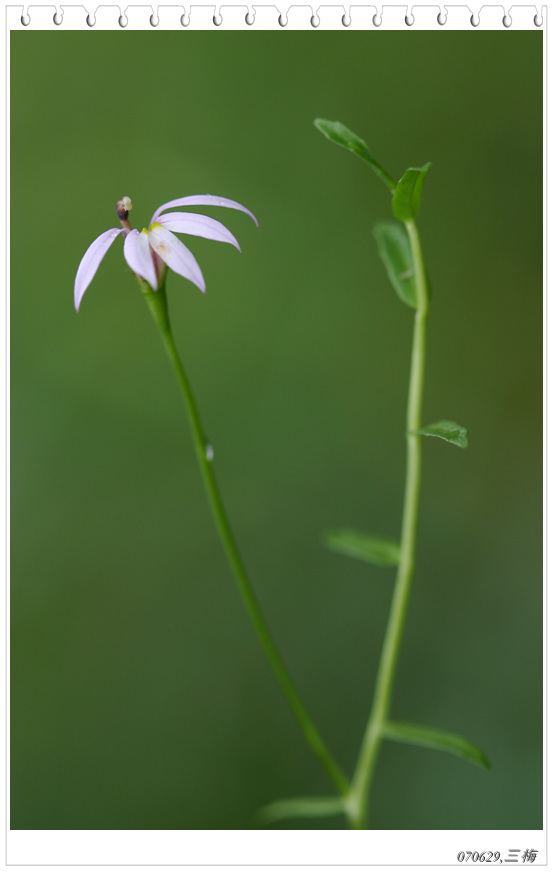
<point x="140" y="697"/>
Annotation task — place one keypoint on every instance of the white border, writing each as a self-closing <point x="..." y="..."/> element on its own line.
<point x="265" y="847"/>
<point x="257" y="16"/>
<point x="299" y="848"/>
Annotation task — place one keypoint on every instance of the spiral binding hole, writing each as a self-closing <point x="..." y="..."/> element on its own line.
<point x="315" y="21"/>
<point x="25" y="20"/>
<point x="538" y="21"/>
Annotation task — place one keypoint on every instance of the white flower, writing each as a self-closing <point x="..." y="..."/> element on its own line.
<point x="150" y="251"/>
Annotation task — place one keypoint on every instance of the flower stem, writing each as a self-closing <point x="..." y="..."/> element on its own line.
<point x="157" y="302"/>
<point x="359" y="796"/>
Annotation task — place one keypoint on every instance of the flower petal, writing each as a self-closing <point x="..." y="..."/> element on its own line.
<point x="91" y="261"/>
<point x="203" y="200"/>
<point x="197" y="225"/>
<point x="176" y="255"/>
<point x="139" y="256"/>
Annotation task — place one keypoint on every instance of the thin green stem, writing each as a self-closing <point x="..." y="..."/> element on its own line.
<point x="157" y="302"/>
<point x="359" y="796"/>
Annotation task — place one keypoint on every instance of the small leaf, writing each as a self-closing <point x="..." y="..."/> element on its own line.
<point x="395" y="250"/>
<point x="372" y="549"/>
<point x="342" y="135"/>
<point x="448" y="430"/>
<point x="407" y="196"/>
<point x="413" y="734"/>
<point x="308" y="807"/>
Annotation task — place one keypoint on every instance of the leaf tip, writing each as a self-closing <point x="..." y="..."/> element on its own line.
<point x="372" y="549"/>
<point x="450" y="431"/>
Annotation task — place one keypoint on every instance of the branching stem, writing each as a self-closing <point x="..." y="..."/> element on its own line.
<point x="356" y="796"/>
<point x="358" y="800"/>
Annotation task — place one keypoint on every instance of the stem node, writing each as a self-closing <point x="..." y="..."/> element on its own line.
<point x="392" y="641"/>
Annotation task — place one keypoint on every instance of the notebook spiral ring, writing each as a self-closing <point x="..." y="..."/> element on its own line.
<point x="304" y="17"/>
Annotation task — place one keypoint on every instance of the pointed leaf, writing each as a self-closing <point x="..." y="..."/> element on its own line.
<point x="395" y="250"/>
<point x="372" y="549"/>
<point x="440" y="740"/>
<point x="308" y="807"/>
<point x="342" y="135"/>
<point x="448" y="430"/>
<point x="407" y="196"/>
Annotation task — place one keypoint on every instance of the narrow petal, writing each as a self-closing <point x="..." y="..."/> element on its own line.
<point x="176" y="255"/>
<point x="139" y="256"/>
<point x="91" y="261"/>
<point x="197" y="225"/>
<point x="203" y="200"/>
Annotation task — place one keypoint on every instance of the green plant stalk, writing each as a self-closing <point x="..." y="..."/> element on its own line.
<point x="157" y="302"/>
<point x="358" y="800"/>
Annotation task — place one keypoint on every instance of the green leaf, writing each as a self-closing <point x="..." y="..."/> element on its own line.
<point x="342" y="135"/>
<point x="395" y="250"/>
<point x="448" y="430"/>
<point x="408" y="193"/>
<point x="413" y="734"/>
<point x="372" y="549"/>
<point x="308" y="807"/>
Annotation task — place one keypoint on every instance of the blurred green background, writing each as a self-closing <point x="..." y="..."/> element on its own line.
<point x="140" y="697"/>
